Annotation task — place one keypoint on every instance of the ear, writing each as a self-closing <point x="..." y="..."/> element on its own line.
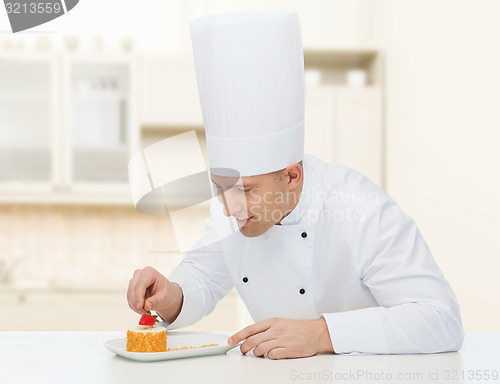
<point x="294" y="176"/>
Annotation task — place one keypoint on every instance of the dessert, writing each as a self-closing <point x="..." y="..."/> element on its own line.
<point x="146" y="337"/>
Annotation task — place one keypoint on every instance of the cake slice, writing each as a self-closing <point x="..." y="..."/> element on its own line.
<point x="147" y="339"/>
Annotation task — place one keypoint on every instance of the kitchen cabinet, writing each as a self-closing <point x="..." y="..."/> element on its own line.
<point x="62" y="310"/>
<point x="32" y="311"/>
<point x="169" y="93"/>
<point x="359" y="133"/>
<point x="65" y="310"/>
<point x="91" y="309"/>
<point x="98" y="134"/>
<point x="29" y="122"/>
<point x="320" y="122"/>
<point x="100" y="312"/>
<point x="343" y="123"/>
<point x="67" y="127"/>
<point x="70" y="122"/>
<point x="323" y="22"/>
<point x="344" y="126"/>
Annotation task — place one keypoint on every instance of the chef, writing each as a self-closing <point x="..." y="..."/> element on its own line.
<point x="323" y="258"/>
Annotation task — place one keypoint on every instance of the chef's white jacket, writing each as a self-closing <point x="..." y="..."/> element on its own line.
<point x="347" y="253"/>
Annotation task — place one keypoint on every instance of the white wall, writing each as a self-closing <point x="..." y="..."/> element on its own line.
<point x="443" y="132"/>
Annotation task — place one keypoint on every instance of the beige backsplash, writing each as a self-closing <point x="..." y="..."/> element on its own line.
<point x="84" y="245"/>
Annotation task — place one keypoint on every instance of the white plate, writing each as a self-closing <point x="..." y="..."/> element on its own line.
<point x="176" y="340"/>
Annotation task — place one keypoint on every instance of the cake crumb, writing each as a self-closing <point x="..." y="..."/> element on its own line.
<point x="184" y="348"/>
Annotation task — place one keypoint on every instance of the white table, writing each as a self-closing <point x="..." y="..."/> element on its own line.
<point x="80" y="357"/>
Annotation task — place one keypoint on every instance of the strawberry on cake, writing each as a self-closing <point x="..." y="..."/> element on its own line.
<point x="147" y="337"/>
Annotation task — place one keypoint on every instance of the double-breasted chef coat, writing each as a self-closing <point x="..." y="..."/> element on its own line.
<point x="346" y="253"/>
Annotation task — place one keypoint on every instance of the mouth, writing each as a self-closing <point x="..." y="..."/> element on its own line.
<point x="243" y="222"/>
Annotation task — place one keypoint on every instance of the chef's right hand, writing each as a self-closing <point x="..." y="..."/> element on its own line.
<point x="150" y="290"/>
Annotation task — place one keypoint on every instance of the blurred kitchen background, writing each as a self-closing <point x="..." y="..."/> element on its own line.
<point x="404" y="91"/>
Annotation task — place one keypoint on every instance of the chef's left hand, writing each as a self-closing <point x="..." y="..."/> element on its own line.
<point x="284" y="338"/>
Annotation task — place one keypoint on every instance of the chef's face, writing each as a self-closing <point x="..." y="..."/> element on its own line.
<point x="259" y="202"/>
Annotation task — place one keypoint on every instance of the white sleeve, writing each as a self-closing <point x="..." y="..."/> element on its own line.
<point x="418" y="311"/>
<point x="203" y="278"/>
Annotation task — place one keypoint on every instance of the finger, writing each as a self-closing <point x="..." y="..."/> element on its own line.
<point x="134" y="299"/>
<point x="151" y="297"/>
<point x="150" y="303"/>
<point x="146" y="278"/>
<point x="266" y="346"/>
<point x="131" y="291"/>
<point x="253" y="329"/>
<point x="254" y="340"/>
<point x="278" y="353"/>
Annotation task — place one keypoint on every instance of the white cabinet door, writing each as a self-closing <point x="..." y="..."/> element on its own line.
<point x="65" y="311"/>
<point x="320" y="122"/>
<point x="344" y="126"/>
<point x="67" y="126"/>
<point x="359" y="131"/>
<point x="98" y="130"/>
<point x="102" y="312"/>
<point x="110" y="312"/>
<point x="169" y="93"/>
<point x="28" y="121"/>
<point x="31" y="311"/>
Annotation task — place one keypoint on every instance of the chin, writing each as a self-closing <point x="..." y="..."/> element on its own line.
<point x="249" y="233"/>
<point x="253" y="232"/>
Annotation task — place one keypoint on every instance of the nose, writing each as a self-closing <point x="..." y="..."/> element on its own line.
<point x="232" y="204"/>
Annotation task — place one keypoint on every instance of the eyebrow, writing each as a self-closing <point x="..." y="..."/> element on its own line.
<point x="236" y="185"/>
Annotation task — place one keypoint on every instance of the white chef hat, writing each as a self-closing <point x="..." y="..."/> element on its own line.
<point x="250" y="73"/>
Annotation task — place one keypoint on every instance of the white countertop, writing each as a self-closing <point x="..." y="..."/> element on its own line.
<point x="80" y="357"/>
